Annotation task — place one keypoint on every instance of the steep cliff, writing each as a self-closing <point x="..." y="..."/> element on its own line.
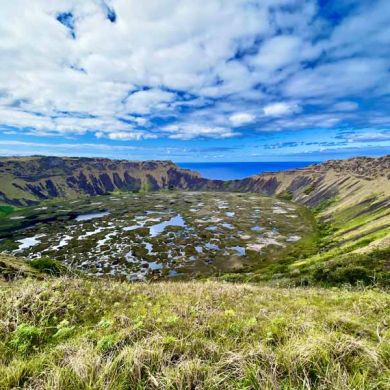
<point x="28" y="180"/>
<point x="317" y="183"/>
<point x="353" y="195"/>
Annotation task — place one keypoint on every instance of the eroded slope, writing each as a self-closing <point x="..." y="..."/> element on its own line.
<point x="29" y="180"/>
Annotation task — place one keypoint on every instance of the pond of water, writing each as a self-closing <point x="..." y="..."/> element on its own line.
<point x="29" y="241"/>
<point x="158" y="228"/>
<point x="89" y="216"/>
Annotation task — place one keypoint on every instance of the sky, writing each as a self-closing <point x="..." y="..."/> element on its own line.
<point x="186" y="80"/>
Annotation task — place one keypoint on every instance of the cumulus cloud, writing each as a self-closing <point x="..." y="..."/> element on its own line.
<point x="143" y="102"/>
<point x="241" y="118"/>
<point x="278" y="52"/>
<point x="187" y="131"/>
<point x="280" y="109"/>
<point x="182" y="69"/>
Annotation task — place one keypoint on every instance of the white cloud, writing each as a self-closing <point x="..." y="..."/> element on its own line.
<point x="345" y="106"/>
<point x="125" y="135"/>
<point x="280" y="109"/>
<point x="346" y="77"/>
<point x="366" y="31"/>
<point x="206" y="66"/>
<point x="308" y="121"/>
<point x="241" y="118"/>
<point x="370" y="135"/>
<point x="278" y="52"/>
<point x="186" y="131"/>
<point x="144" y="102"/>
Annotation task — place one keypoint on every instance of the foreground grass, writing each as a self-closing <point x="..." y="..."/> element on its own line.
<point x="86" y="334"/>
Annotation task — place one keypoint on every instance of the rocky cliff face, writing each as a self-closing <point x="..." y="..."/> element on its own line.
<point x="28" y="180"/>
<point x="320" y="182"/>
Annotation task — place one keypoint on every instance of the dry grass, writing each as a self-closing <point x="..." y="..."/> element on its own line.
<point x="80" y="334"/>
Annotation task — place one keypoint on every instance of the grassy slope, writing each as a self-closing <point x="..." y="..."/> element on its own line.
<point x="346" y="247"/>
<point x="353" y="243"/>
<point x="13" y="268"/>
<point x="353" y="237"/>
<point x="80" y="334"/>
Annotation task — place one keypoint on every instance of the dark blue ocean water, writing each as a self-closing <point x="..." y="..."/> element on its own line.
<point x="239" y="170"/>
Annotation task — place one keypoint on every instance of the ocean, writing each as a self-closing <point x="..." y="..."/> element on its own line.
<point x="240" y="170"/>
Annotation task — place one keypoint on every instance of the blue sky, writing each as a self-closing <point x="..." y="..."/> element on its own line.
<point x="222" y="80"/>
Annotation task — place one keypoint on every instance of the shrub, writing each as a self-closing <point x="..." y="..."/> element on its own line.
<point x="351" y="274"/>
<point x="286" y="195"/>
<point x="354" y="268"/>
<point x="49" y="266"/>
<point x="308" y="190"/>
<point x="5" y="210"/>
<point x="106" y="343"/>
<point x="25" y="338"/>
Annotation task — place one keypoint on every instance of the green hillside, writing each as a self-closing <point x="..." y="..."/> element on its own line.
<point x="99" y="334"/>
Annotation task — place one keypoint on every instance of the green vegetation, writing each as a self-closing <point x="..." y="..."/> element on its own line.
<point x="84" y="334"/>
<point x="145" y="187"/>
<point x="286" y="195"/>
<point x="308" y="190"/>
<point x="329" y="258"/>
<point x="223" y="225"/>
<point x="49" y="266"/>
<point x="323" y="205"/>
<point x="5" y="210"/>
<point x="12" y="268"/>
<point x="366" y="268"/>
<point x="334" y="268"/>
